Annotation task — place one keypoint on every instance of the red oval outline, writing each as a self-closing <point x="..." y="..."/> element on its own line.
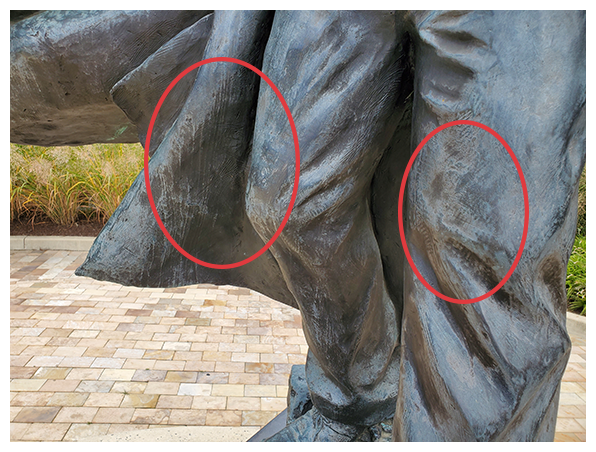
<point x="296" y="174"/>
<point x="526" y="211"/>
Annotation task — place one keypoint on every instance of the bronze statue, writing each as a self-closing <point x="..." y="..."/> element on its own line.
<point x="364" y="89"/>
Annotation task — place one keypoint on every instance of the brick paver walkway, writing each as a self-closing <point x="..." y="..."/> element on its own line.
<point x="90" y="358"/>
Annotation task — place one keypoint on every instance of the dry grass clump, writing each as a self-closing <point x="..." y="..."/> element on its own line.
<point x="68" y="184"/>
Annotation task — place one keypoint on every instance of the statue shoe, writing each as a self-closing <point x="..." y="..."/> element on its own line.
<point x="313" y="426"/>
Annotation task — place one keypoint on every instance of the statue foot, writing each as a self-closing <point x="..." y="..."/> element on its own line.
<point x="314" y="426"/>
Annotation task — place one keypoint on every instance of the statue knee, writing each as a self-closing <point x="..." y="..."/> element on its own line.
<point x="267" y="202"/>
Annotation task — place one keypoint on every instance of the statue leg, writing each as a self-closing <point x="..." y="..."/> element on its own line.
<point x="340" y="74"/>
<point x="491" y="371"/>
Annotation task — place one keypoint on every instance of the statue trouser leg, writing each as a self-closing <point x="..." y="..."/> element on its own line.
<point x="340" y="75"/>
<point x="491" y="370"/>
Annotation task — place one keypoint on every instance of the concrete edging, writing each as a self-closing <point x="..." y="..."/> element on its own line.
<point x="576" y="324"/>
<point x="66" y="243"/>
<point x="179" y="434"/>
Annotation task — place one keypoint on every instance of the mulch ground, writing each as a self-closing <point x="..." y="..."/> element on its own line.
<point x="83" y="228"/>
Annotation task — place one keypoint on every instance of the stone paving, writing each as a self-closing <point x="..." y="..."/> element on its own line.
<point x="90" y="358"/>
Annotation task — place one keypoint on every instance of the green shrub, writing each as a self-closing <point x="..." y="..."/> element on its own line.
<point x="581" y="206"/>
<point x="576" y="276"/>
<point x="67" y="184"/>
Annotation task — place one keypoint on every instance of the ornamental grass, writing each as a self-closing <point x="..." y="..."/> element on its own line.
<point x="69" y="184"/>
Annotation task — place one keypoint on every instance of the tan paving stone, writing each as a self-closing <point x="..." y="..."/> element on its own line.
<point x="120" y="344"/>
<point x="102" y="399"/>
<point x="14" y="411"/>
<point x="228" y="390"/>
<point x="85" y="361"/>
<point x="213" y="377"/>
<point x="273" y="357"/>
<point x="259" y="348"/>
<point x="582" y="422"/>
<point x="260" y="390"/>
<point x="129" y="353"/>
<point x="181" y="377"/>
<point x="259" y="367"/>
<point x="195" y="389"/>
<point x="166" y="337"/>
<point x="67" y="399"/>
<point x="178" y="346"/>
<point x="150" y="328"/>
<point x="132" y="363"/>
<point x="179" y="402"/>
<point x="94" y="386"/>
<point x="140" y="400"/>
<point x="149" y="375"/>
<point x="99" y="352"/>
<point x="70" y="351"/>
<point x="76" y="414"/>
<point x="275" y="340"/>
<point x="159" y="354"/>
<point x="20" y="361"/>
<point x="200" y="366"/>
<point x="144" y="338"/>
<point x="81" y="432"/>
<point x="16" y="349"/>
<point x="59" y="386"/>
<point x="117" y="374"/>
<point x="26" y="384"/>
<point x="27" y="340"/>
<point x="85" y="334"/>
<point x="296" y="359"/>
<point x="22" y="372"/>
<point x="245" y="357"/>
<point x="52" y="373"/>
<point x="229" y="367"/>
<point x="567" y="386"/>
<point x="567" y="398"/>
<point x="31" y="399"/>
<point x="129" y="387"/>
<point x="154" y="387"/>
<point x="170" y="365"/>
<point x="45" y="432"/>
<point x="110" y="363"/>
<point x="45" y="361"/>
<point x="113" y="415"/>
<point x="187" y="417"/>
<point x="204" y="346"/>
<point x="566" y="437"/>
<point x="112" y="335"/>
<point x="188" y="356"/>
<point x="37" y="414"/>
<point x="217" y="356"/>
<point x="246" y="339"/>
<point x="223" y="418"/>
<point x="18" y="430"/>
<point x="209" y="403"/>
<point x="566" y="425"/>
<point x="258" y="418"/>
<point x="282" y="391"/>
<point x="66" y="345"/>
<point x="274" y="403"/>
<point x="243" y="378"/>
<point x="150" y="416"/>
<point x="84" y="374"/>
<point x="244" y="403"/>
